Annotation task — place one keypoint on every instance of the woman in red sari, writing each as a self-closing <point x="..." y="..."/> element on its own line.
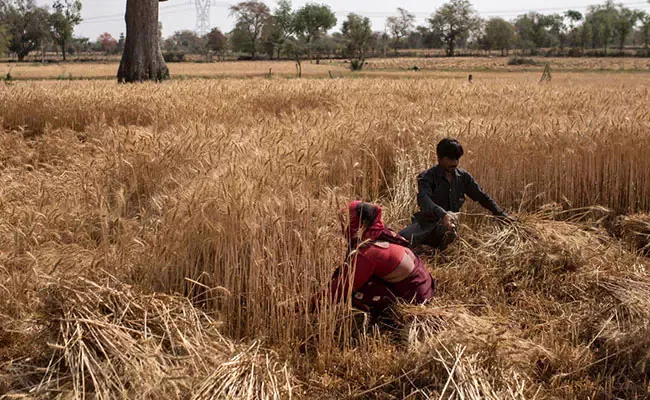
<point x="380" y="269"/>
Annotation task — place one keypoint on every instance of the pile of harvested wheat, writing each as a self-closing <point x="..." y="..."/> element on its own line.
<point x="112" y="341"/>
<point x="551" y="306"/>
<point x="633" y="229"/>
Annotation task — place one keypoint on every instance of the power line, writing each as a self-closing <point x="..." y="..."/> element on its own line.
<point x="203" y="12"/>
<point x="558" y="8"/>
<point x="116" y="17"/>
<point x="379" y="14"/>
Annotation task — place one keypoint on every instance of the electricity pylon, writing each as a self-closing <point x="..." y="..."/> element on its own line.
<point x="202" y="16"/>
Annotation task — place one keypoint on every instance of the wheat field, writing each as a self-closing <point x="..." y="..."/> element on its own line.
<point x="564" y="64"/>
<point x="107" y="70"/>
<point x="162" y="241"/>
<point x="433" y="67"/>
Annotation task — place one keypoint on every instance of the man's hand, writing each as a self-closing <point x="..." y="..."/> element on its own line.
<point x="448" y="222"/>
<point x="506" y="219"/>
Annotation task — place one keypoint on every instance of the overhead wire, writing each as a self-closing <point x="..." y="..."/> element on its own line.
<point x="167" y="10"/>
<point x="190" y="5"/>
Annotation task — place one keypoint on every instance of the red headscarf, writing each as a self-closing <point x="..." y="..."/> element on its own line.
<point x="375" y="231"/>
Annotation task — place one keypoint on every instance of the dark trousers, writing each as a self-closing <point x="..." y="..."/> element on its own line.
<point x="435" y="235"/>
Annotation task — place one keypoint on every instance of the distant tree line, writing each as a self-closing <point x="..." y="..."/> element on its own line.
<point x="26" y="27"/>
<point x="305" y="33"/>
<point x="262" y="32"/>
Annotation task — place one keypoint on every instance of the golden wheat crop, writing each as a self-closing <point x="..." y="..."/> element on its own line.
<point x="565" y="64"/>
<point x="437" y="67"/>
<point x="107" y="70"/>
<point x="161" y="240"/>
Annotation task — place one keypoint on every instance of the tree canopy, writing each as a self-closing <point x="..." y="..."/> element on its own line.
<point x="358" y="35"/>
<point x="27" y="26"/>
<point x="251" y="16"/>
<point x="400" y="25"/>
<point x="312" y="21"/>
<point x="499" y="35"/>
<point x="67" y="15"/>
<point x="454" y="21"/>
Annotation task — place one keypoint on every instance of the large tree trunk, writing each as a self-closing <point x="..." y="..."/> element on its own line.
<point x="142" y="59"/>
<point x="254" y="49"/>
<point x="450" y="48"/>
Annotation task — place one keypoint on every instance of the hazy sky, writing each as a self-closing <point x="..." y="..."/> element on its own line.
<point x="108" y="15"/>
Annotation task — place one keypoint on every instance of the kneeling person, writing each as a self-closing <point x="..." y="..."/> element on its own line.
<point x="441" y="192"/>
<point x="380" y="269"/>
